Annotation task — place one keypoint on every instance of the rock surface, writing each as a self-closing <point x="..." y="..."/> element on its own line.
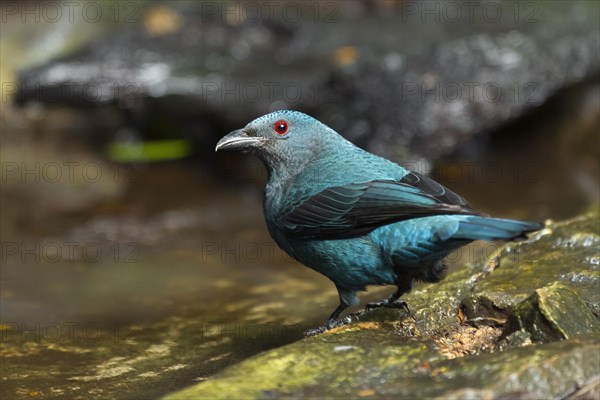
<point x="554" y="312"/>
<point x="457" y="343"/>
<point x="420" y="81"/>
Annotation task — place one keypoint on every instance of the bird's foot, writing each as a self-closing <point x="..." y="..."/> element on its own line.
<point x="330" y="324"/>
<point x="391" y="302"/>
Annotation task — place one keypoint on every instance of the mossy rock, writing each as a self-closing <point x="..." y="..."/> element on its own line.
<point x="457" y="342"/>
<point x="554" y="312"/>
<point x="566" y="252"/>
<point x="371" y="364"/>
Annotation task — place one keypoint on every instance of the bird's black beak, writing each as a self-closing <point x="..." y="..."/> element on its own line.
<point x="238" y="140"/>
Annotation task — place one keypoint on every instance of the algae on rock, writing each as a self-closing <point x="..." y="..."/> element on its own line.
<point x="468" y="336"/>
<point x="554" y="312"/>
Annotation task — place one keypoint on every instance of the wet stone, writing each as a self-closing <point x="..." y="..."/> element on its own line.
<point x="554" y="312"/>
<point x="446" y="84"/>
<point x="383" y="365"/>
<point x="563" y="252"/>
<point x="519" y="327"/>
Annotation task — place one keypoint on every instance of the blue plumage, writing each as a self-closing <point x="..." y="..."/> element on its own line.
<point x="357" y="218"/>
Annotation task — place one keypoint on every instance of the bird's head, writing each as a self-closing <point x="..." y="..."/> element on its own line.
<point x="283" y="139"/>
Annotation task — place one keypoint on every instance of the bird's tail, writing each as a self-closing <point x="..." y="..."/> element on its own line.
<point x="485" y="228"/>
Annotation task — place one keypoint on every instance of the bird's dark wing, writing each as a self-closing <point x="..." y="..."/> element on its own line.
<point x="431" y="187"/>
<point x="357" y="208"/>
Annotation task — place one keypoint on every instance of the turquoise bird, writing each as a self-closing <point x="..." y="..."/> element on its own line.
<point x="355" y="217"/>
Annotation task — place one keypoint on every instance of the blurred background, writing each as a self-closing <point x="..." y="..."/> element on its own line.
<point x="135" y="259"/>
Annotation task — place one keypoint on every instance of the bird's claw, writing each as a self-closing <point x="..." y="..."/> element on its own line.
<point x="330" y="324"/>
<point x="388" y="303"/>
<point x="315" y="331"/>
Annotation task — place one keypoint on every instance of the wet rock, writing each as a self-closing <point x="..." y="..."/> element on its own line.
<point x="554" y="312"/>
<point x="515" y="339"/>
<point x="457" y="342"/>
<point x="424" y="82"/>
<point x="150" y="324"/>
<point x="588" y="392"/>
<point x="436" y="308"/>
<point x="380" y="364"/>
<point x="565" y="252"/>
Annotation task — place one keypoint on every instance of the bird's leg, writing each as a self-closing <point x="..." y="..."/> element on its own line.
<point x="336" y="314"/>
<point x="391" y="302"/>
<point x="394" y="301"/>
<point x="332" y="321"/>
<point x="346" y="299"/>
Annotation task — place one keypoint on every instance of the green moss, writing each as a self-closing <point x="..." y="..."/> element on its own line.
<point x="399" y="369"/>
<point x="546" y="286"/>
<point x="554" y="312"/>
<point x="564" y="252"/>
<point x="317" y="362"/>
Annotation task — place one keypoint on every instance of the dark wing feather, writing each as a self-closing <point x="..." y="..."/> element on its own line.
<point x="433" y="188"/>
<point x="355" y="209"/>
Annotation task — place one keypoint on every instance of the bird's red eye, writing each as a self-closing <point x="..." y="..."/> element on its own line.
<point x="281" y="127"/>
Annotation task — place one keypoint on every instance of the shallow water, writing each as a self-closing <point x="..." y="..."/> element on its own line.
<point x="139" y="285"/>
<point x="163" y="285"/>
<point x="159" y="287"/>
